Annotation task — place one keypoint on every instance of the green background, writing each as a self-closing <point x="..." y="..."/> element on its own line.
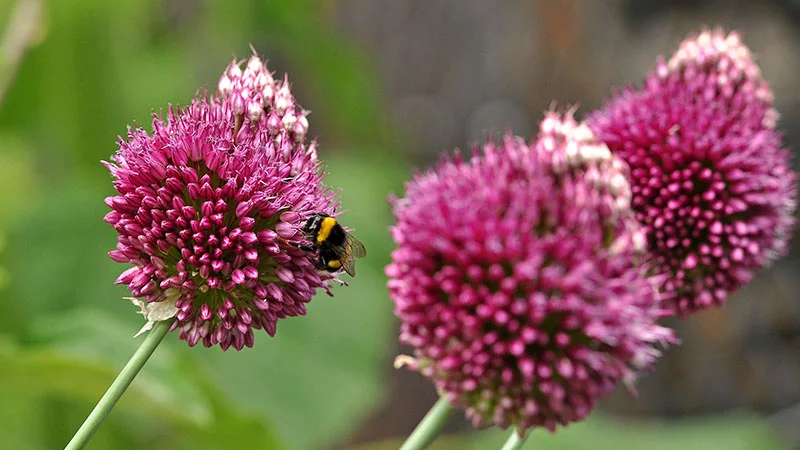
<point x="95" y="67"/>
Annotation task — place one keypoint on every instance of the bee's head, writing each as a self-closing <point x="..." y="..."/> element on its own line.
<point x="313" y="223"/>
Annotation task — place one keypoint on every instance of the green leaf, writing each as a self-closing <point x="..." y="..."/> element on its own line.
<point x="171" y="404"/>
<point x="75" y="334"/>
<point x="57" y="258"/>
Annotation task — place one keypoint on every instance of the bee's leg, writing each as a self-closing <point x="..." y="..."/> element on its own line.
<point x="301" y="246"/>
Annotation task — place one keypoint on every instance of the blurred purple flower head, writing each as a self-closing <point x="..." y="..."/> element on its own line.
<point x="711" y="182"/>
<point x="208" y="204"/>
<point x="516" y="279"/>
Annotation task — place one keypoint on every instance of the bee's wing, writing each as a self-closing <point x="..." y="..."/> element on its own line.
<point x="356" y="248"/>
<point x="352" y="248"/>
<point x="349" y="265"/>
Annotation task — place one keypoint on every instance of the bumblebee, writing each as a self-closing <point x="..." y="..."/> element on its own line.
<point x="336" y="247"/>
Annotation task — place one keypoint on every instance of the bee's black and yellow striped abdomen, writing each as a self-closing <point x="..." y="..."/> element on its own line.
<point x="337" y="248"/>
<point x="330" y="232"/>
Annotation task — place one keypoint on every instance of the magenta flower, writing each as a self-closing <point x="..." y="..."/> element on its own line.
<point x="209" y="204"/>
<point x="516" y="279"/>
<point x="710" y="179"/>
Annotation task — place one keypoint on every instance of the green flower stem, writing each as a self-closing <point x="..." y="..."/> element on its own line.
<point x="120" y="384"/>
<point x="429" y="427"/>
<point x="515" y="442"/>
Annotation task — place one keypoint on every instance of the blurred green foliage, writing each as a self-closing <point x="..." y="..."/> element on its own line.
<point x="65" y="332"/>
<point x="727" y="432"/>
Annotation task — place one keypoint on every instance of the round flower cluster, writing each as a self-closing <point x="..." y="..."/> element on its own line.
<point x="516" y="279"/>
<point x="710" y="180"/>
<point x="209" y="207"/>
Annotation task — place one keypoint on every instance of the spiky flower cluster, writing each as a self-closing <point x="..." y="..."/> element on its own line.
<point x="208" y="207"/>
<point x="254" y="95"/>
<point x="516" y="279"/>
<point x="710" y="180"/>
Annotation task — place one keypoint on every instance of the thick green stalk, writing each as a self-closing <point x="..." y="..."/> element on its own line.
<point x="515" y="442"/>
<point x="429" y="427"/>
<point x="120" y="384"/>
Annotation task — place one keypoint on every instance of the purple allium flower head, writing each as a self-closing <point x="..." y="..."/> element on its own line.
<point x="209" y="205"/>
<point x="516" y="279"/>
<point x="710" y="179"/>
